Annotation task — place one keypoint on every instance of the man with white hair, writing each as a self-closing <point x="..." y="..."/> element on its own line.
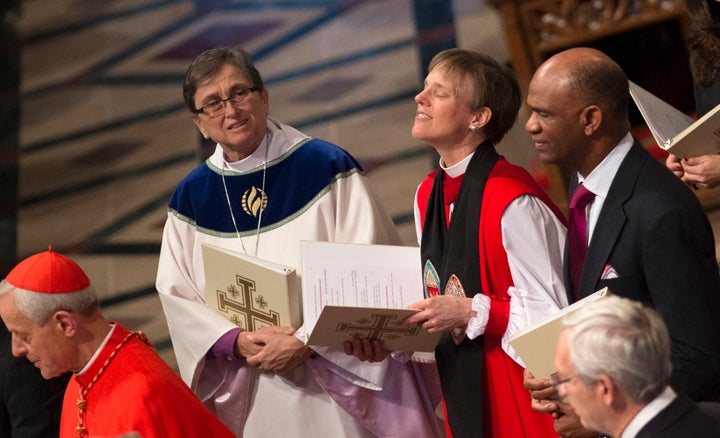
<point x="613" y="362"/>
<point x="120" y="386"/>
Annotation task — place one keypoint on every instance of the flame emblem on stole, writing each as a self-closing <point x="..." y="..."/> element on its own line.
<point x="253" y="200"/>
<point x="431" y="280"/>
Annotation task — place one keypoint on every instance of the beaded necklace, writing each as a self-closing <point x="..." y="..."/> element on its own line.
<point x="263" y="199"/>
<point x="82" y="401"/>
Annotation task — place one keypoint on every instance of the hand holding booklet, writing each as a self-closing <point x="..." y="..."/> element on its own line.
<point x="362" y="291"/>
<point x="348" y="291"/>
<point x="535" y="344"/>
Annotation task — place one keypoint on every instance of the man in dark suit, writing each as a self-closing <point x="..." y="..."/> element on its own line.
<point x="647" y="236"/>
<point x="613" y="362"/>
<point x="29" y="405"/>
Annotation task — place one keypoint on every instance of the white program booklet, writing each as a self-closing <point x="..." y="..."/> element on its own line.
<point x="364" y="290"/>
<point x="536" y="343"/>
<point x="674" y="130"/>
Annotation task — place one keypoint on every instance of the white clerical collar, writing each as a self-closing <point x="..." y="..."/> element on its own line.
<point x="459" y="168"/>
<point x="281" y="138"/>
<point x="100" y="348"/>
<point x="650" y="411"/>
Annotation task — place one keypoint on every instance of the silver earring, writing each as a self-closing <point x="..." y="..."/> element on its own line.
<point x="473" y="128"/>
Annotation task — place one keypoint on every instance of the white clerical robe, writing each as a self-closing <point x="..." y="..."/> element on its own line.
<point x="332" y="395"/>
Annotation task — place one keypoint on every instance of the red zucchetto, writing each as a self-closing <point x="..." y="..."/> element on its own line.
<point x="48" y="272"/>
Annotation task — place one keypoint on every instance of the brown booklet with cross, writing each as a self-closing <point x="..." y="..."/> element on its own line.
<point x="338" y="324"/>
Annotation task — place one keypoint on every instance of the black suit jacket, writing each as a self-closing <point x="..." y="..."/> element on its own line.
<point x="682" y="418"/>
<point x="654" y="233"/>
<point x="29" y="405"/>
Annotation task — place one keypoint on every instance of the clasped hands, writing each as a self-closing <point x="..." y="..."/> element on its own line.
<point x="276" y="350"/>
<point x="272" y="349"/>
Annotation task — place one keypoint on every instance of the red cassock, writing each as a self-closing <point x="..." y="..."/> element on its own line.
<point x="136" y="391"/>
<point x="507" y="408"/>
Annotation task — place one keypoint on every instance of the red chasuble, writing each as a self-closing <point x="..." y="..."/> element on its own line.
<point x="135" y="392"/>
<point x="506" y="407"/>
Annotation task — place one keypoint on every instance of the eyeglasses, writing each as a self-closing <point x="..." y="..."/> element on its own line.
<point x="217" y="107"/>
<point x="557" y="379"/>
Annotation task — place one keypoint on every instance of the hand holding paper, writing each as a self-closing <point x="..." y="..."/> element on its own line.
<point x="365" y="349"/>
<point x="701" y="172"/>
<point x="675" y="165"/>
<point x="542" y="392"/>
<point x="443" y="312"/>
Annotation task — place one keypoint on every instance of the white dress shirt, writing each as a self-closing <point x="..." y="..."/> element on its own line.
<point x="534" y="240"/>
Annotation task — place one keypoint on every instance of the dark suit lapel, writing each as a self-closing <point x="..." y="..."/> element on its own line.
<point x="611" y="220"/>
<point x="666" y="418"/>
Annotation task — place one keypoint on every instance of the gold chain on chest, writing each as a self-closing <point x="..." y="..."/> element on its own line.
<point x="82" y="401"/>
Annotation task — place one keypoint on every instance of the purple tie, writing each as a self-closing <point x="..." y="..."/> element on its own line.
<point x="577" y="233"/>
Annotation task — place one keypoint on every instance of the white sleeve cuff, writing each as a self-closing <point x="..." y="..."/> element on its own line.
<point x="478" y="324"/>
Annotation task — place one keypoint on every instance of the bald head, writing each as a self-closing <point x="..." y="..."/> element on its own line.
<point x="591" y="76"/>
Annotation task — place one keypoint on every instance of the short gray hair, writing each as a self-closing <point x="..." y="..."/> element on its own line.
<point x="624" y="340"/>
<point x="40" y="307"/>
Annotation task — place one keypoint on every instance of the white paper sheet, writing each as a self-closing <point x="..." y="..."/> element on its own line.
<point x="341" y="274"/>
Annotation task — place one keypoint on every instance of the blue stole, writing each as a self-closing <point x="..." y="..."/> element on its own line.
<point x="293" y="183"/>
